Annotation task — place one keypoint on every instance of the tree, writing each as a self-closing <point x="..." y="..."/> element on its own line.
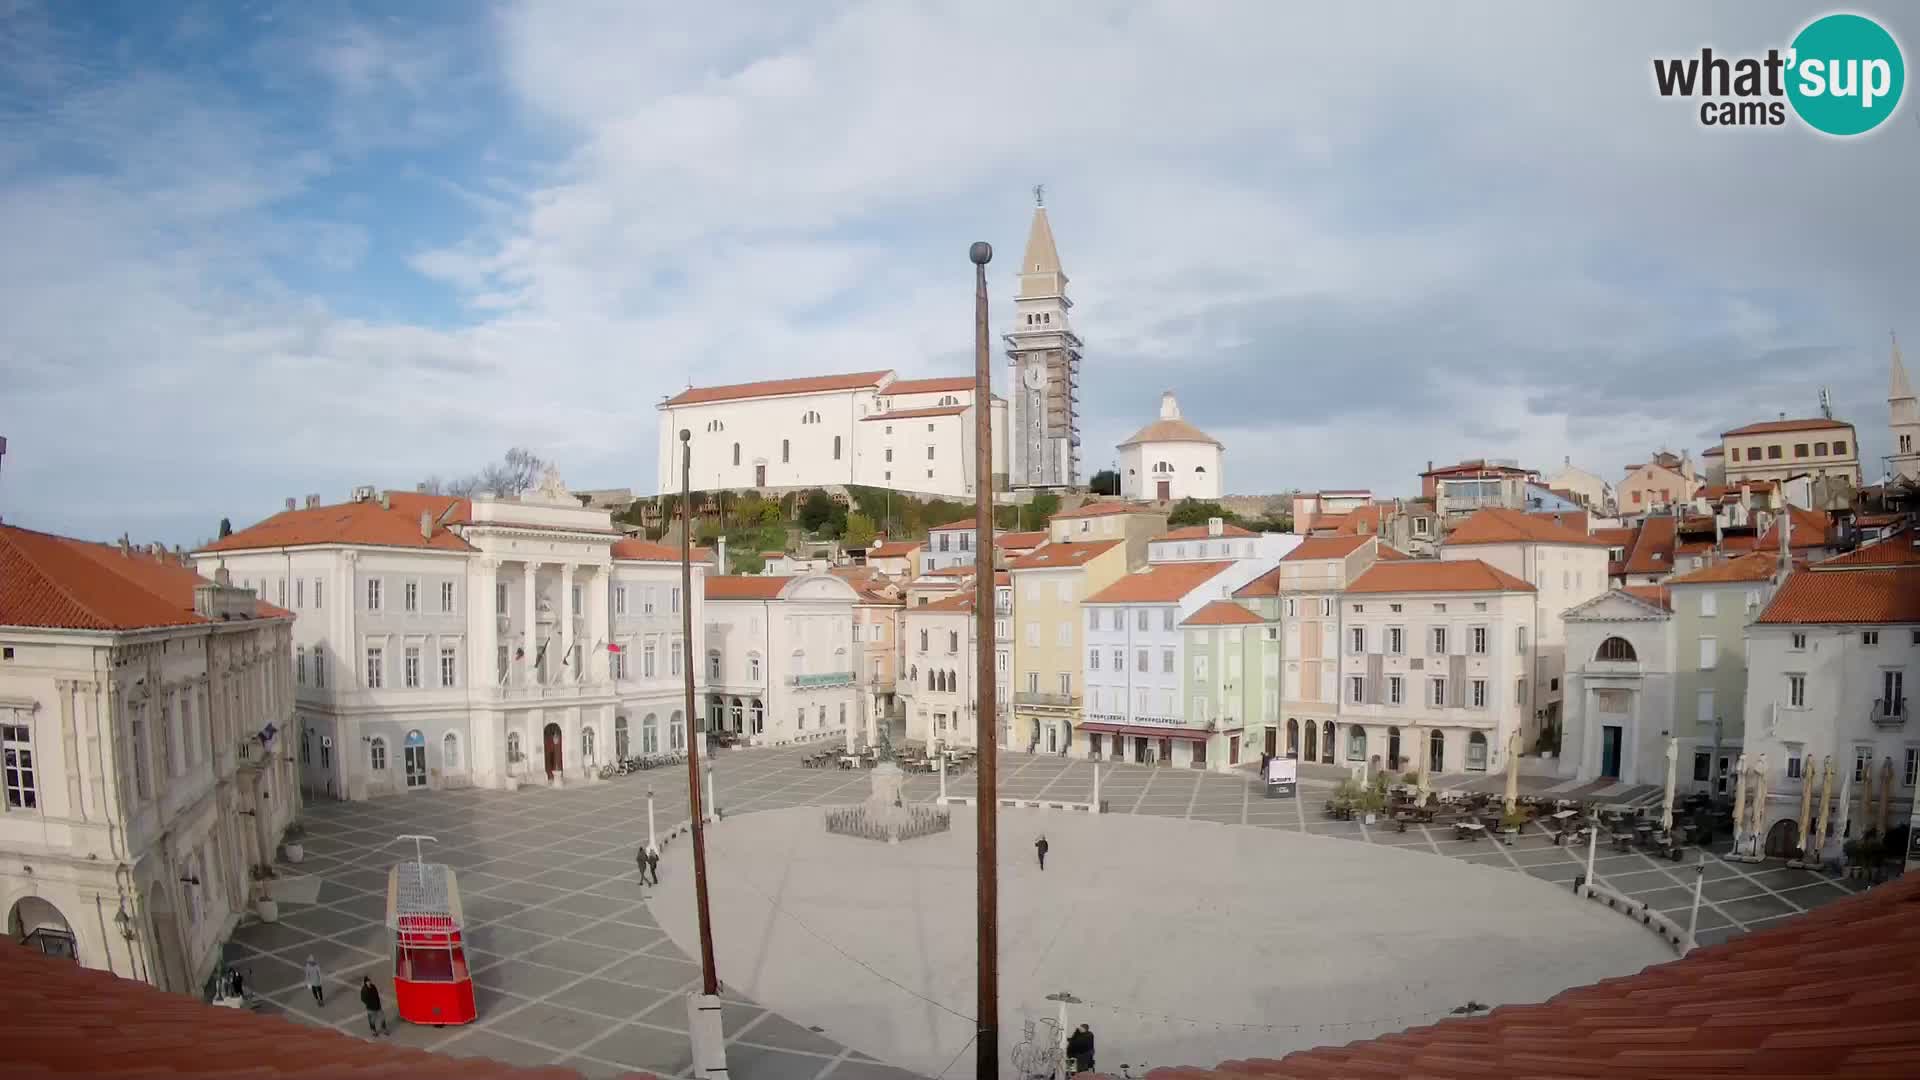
<point x="514" y="474"/>
<point x="1105" y="482"/>
<point x="817" y="510"/>
<point x="226" y="528"/>
<point x="1034" y="515"/>
<point x="859" y="532"/>
<point x="1195" y="512"/>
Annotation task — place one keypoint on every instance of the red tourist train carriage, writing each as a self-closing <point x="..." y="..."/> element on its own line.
<point x="431" y="982"/>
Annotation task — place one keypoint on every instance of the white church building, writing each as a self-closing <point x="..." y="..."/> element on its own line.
<point x="1170" y="459"/>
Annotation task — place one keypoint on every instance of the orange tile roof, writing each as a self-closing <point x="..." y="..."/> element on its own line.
<point x="1894" y="549"/>
<point x="55" y="582"/>
<point x="65" y="1020"/>
<point x="1717" y="492"/>
<point x="745" y="587"/>
<point x="1325" y="547"/>
<point x="1657" y="595"/>
<point x="1652" y="550"/>
<point x="914" y="414"/>
<point x="1103" y="508"/>
<point x="1389" y="553"/>
<point x="1499" y="526"/>
<point x="1713" y="451"/>
<point x="1221" y="613"/>
<point x="364" y="524"/>
<point x="963" y="525"/>
<point x="1163" y="583"/>
<point x="957" y="384"/>
<point x="1766" y="426"/>
<point x="1048" y="556"/>
<point x="962" y="601"/>
<point x="950" y="571"/>
<point x="633" y="549"/>
<point x="1435" y="575"/>
<point x="1874" y="595"/>
<point x="1829" y="993"/>
<point x="1754" y="566"/>
<point x="1615" y="537"/>
<point x="895" y="550"/>
<point x="1267" y="584"/>
<point x="1352" y="520"/>
<point x="1170" y="431"/>
<point x="1809" y="530"/>
<point x="1199" y="532"/>
<point x="817" y="384"/>
<point x="1031" y="539"/>
<point x="1566" y="519"/>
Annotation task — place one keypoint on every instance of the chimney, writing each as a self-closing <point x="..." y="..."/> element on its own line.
<point x="223" y="577"/>
<point x="313" y="501"/>
<point x="385" y="503"/>
<point x="426" y="525"/>
<point x="1786" y="535"/>
<point x="125" y="547"/>
<point x="1216" y="527"/>
<point x="290" y="502"/>
<point x="420" y="488"/>
<point x="720" y="555"/>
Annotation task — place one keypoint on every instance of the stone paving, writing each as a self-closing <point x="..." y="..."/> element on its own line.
<point x="571" y="967"/>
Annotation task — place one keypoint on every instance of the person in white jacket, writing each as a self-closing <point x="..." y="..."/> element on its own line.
<point x="313" y="981"/>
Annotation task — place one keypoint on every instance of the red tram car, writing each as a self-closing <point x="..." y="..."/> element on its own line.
<point x="431" y="983"/>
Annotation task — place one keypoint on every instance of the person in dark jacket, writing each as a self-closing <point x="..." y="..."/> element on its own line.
<point x="376" y="1016"/>
<point x="1080" y="1050"/>
<point x="1040" y="846"/>
<point x="653" y="864"/>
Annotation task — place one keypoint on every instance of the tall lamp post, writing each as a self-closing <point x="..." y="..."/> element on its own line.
<point x="703" y="1009"/>
<point x="987" y="1046"/>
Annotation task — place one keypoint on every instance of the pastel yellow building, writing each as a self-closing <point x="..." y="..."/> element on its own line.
<point x="1048" y="637"/>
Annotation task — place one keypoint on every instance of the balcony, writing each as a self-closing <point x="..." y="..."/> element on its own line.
<point x="1889" y="712"/>
<point x="821" y="681"/>
<point x="1045" y="700"/>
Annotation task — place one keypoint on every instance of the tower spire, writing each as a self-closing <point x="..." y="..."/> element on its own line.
<point x="1898" y="386"/>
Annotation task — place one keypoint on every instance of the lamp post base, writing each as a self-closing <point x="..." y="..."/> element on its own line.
<point x="709" y="1040"/>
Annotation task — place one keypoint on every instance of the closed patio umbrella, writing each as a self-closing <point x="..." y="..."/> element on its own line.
<point x="1420" y="770"/>
<point x="1739" y="801"/>
<point x="1513" y="771"/>
<point x="1886" y="794"/>
<point x="1865" y="820"/>
<point x="1844" y="804"/>
<point x="1806" y="811"/>
<point x="1826" y="806"/>
<point x="1757" y="833"/>
<point x="1673" y="776"/>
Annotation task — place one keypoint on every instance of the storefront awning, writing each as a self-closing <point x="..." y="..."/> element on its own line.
<point x="1144" y="732"/>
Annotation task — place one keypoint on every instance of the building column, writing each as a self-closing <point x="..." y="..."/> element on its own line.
<point x="567" y="667"/>
<point x="594" y="647"/>
<point x="482" y="620"/>
<point x="531" y="631"/>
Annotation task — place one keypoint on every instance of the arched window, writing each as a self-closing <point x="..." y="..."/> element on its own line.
<point x="450" y="751"/>
<point x="1356" y="743"/>
<point x="377" y="754"/>
<point x="758" y="713"/>
<point x="1309" y="736"/>
<point x="1326" y="742"/>
<point x="713" y="664"/>
<point x="621" y="746"/>
<point x="799" y="662"/>
<point x="716" y="713"/>
<point x="836" y="448"/>
<point x="1477" y="752"/>
<point x="1437" y="751"/>
<point x="738" y="715"/>
<point x="786" y="451"/>
<point x="650" y="734"/>
<point x="586" y="746"/>
<point x="1293" y="738"/>
<point x="753" y="667"/>
<point x="1200" y="468"/>
<point x="736" y="453"/>
<point x="676" y="732"/>
<point x="840" y="659"/>
<point x="513" y="747"/>
<point x="1616" y="648"/>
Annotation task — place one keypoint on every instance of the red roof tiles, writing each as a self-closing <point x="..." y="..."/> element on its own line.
<point x="1657" y="595"/>
<point x="1053" y="556"/>
<point x="956" y="385"/>
<point x="1221" y="613"/>
<point x="742" y="587"/>
<point x="1652" y="550"/>
<point x="915" y="414"/>
<point x="1433" y="575"/>
<point x="1163" y="583"/>
<point x="1200" y="532"/>
<point x="635" y="550"/>
<point x="1896" y="549"/>
<point x="1847" y="595"/>
<point x="818" y="384"/>
<point x="1020" y="540"/>
<point x="1101" y="509"/>
<point x="366" y="524"/>
<point x="1575" y="520"/>
<point x="1325" y="547"/>
<point x="1809" y="530"/>
<point x="1267" y="584"/>
<point x="1768" y="426"/>
<point x="1754" y="566"/>
<point x="898" y="549"/>
<point x="55" y="582"/>
<point x="1499" y="526"/>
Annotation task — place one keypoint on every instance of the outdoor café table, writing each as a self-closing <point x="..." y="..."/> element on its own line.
<point x="1562" y="815"/>
<point x="1468" y="830"/>
<point x="1623" y="841"/>
<point x="848" y="761"/>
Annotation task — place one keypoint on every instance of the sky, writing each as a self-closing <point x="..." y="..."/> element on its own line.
<point x="257" y="250"/>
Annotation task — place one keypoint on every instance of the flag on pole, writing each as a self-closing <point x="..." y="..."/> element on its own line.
<point x="614" y="646"/>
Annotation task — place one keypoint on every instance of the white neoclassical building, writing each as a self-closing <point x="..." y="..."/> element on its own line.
<point x="1170" y="459"/>
<point x="145" y="715"/>
<point x="780" y="656"/>
<point x="866" y="427"/>
<point x="443" y="642"/>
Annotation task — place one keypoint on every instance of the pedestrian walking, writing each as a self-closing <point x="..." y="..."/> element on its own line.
<point x="313" y="981"/>
<point x="653" y="864"/>
<point x="236" y="986"/>
<point x="376" y="1016"/>
<point x="640" y="860"/>
<point x="1040" y="846"/>
<point x="1080" y="1050"/>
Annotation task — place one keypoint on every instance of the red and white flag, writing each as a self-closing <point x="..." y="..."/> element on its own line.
<point x="614" y="646"/>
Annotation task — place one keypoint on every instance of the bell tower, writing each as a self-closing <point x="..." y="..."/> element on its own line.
<point x="1904" y="419"/>
<point x="1044" y="353"/>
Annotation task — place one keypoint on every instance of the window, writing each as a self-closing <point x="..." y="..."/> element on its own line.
<point x="648" y="656"/>
<point x="1066" y="683"/>
<point x="1119" y="660"/>
<point x="299" y="592"/>
<point x="836" y="448"/>
<point x="1913" y="766"/>
<point x="574" y="595"/>
<point x="676" y="731"/>
<point x="1396" y="640"/>
<point x="1479" y="687"/>
<point x="1773" y="452"/>
<point x="673" y="657"/>
<point x="1793" y="766"/>
<point x="619" y="599"/>
<point x="447" y="662"/>
<point x="1893" y="693"/>
<point x="1702" y="767"/>
<point x="929" y="449"/>
<point x="280" y="587"/>
<point x="373" y="594"/>
<point x="673" y="600"/>
<point x="1140" y="660"/>
<point x="1796" y="691"/>
<point x="1166" y="618"/>
<point x="446" y="596"/>
<point x="377" y="754"/>
<point x="375" y="667"/>
<point x="736" y="453"/>
<point x="450" y="752"/>
<point x="786" y="452"/>
<point x="1395" y="691"/>
<point x="1869" y="637"/>
<point x="1093" y="659"/>
<point x="1199" y="665"/>
<point x="17" y="743"/>
<point x="1440" y="640"/>
<point x="1709" y="654"/>
<point x="319" y="668"/>
<point x="1799" y="449"/>
<point x="1799" y="642"/>
<point x="1616" y="649"/>
<point x="411" y="670"/>
<point x="1477" y="752"/>
<point x="1439" y="692"/>
<point x="1326" y="607"/>
<point x="1419" y="526"/>
<point x="1520" y="692"/>
<point x="1292" y="608"/>
<point x="1033" y="682"/>
<point x="500" y="598"/>
<point x="300" y="665"/>
<point x="753" y="667"/>
<point x="713" y="664"/>
<point x="326" y="752"/>
<point x="1840" y="447"/>
<point x="619" y="665"/>
<point x="953" y="640"/>
<point x="1359" y="641"/>
<point x="1140" y="619"/>
<point x="1166" y="662"/>
<point x="1862" y="762"/>
<point x="1356" y="689"/>
<point x="1709" y="603"/>
<point x="1478" y="636"/>
<point x="411" y="596"/>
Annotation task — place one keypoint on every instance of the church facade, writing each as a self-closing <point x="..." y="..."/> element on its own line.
<point x="1170" y="459"/>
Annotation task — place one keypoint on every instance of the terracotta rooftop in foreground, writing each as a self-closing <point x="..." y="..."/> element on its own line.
<point x="1866" y="596"/>
<point x="1895" y="549"/>
<point x="54" y="582"/>
<point x="898" y="549"/>
<point x="957" y="384"/>
<point x="365" y="523"/>
<point x="1267" y="584"/>
<point x="1433" y="575"/>
<point x="1658" y="595"/>
<point x="1828" y="993"/>
<point x="1020" y="540"/>
<point x="64" y="1020"/>
<point x="817" y="384"/>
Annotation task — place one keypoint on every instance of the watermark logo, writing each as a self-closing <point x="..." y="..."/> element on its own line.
<point x="1842" y="75"/>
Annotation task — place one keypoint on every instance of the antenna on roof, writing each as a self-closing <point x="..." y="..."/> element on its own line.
<point x="1826" y="404"/>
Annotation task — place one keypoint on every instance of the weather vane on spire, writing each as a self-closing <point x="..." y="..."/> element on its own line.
<point x="1039" y="194"/>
